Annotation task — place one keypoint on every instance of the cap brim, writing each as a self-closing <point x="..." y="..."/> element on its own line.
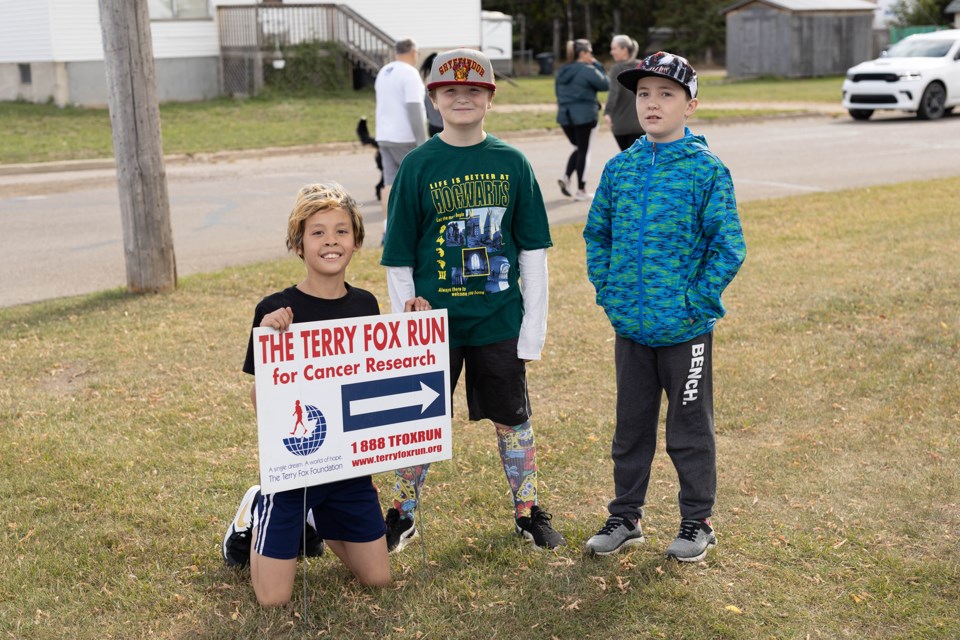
<point x="446" y="83"/>
<point x="631" y="77"/>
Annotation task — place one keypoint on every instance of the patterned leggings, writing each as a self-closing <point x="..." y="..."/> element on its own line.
<point x="518" y="453"/>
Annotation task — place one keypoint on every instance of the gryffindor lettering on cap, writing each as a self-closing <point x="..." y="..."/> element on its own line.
<point x="461" y="68"/>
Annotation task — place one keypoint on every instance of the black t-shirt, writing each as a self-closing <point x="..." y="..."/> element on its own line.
<point x="306" y="308"/>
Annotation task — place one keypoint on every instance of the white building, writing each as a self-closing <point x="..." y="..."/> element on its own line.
<point x="53" y="50"/>
<point x="884" y="15"/>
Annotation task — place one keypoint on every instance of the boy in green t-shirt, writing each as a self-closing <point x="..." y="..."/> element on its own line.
<point x="467" y="225"/>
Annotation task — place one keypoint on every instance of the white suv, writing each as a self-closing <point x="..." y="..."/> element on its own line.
<point x="920" y="73"/>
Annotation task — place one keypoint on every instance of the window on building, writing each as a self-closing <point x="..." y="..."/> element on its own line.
<point x="26" y="77"/>
<point x="178" y="9"/>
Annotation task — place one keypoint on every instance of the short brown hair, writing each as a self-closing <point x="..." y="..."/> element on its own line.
<point x="318" y="197"/>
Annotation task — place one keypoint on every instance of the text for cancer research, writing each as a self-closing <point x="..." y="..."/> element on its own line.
<point x="371" y="365"/>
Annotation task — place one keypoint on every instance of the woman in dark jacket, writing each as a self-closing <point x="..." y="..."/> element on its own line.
<point x="577" y="85"/>
<point x="620" y="112"/>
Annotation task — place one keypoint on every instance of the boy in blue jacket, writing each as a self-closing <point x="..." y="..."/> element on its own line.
<point x="663" y="241"/>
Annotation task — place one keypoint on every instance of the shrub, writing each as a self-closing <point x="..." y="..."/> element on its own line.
<point x="311" y="67"/>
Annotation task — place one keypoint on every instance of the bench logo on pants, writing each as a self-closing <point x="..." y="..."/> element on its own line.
<point x="692" y="388"/>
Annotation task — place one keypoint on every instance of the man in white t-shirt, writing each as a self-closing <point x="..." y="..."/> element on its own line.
<point x="400" y="113"/>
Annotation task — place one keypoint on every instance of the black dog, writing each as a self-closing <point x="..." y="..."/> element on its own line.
<point x="364" y="134"/>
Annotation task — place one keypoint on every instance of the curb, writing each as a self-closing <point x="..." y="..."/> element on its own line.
<point x="176" y="159"/>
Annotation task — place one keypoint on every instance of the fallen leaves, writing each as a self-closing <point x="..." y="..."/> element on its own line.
<point x="571" y="606"/>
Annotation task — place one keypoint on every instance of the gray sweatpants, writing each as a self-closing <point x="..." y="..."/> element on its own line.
<point x="685" y="372"/>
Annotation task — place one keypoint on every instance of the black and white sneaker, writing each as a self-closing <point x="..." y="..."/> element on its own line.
<point x="236" y="541"/>
<point x="400" y="530"/>
<point x="312" y="546"/>
<point x="536" y="528"/>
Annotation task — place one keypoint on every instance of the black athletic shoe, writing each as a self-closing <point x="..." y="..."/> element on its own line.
<point x="536" y="528"/>
<point x="236" y="542"/>
<point x="313" y="545"/>
<point x="400" y="530"/>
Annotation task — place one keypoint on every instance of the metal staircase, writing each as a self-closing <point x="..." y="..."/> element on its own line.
<point x="251" y="35"/>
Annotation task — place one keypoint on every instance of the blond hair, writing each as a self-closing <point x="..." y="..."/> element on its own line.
<point x="626" y="42"/>
<point x="314" y="198"/>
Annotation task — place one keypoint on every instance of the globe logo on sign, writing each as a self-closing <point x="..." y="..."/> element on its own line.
<point x="312" y="438"/>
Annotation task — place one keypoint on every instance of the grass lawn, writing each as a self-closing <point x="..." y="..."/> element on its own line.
<point x="43" y="133"/>
<point x="539" y="90"/>
<point x="129" y="440"/>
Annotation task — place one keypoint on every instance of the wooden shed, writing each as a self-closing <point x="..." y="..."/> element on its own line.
<point x="797" y="38"/>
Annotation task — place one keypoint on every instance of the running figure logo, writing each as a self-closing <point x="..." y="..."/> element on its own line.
<point x="312" y="437"/>
<point x="298" y="411"/>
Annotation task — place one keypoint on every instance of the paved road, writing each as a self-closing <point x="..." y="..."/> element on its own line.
<point x="61" y="232"/>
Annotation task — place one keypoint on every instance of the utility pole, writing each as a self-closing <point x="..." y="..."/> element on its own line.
<point x="137" y="148"/>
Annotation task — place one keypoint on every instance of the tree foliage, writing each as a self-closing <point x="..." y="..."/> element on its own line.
<point x="697" y="27"/>
<point x="696" y="24"/>
<point x="909" y="13"/>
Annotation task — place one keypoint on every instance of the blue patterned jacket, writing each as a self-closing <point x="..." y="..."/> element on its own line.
<point x="663" y="240"/>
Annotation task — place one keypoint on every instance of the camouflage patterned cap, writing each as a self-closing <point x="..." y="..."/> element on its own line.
<point x="462" y="66"/>
<point x="663" y="65"/>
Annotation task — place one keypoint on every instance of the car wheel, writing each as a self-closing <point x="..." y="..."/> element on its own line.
<point x="932" y="102"/>
<point x="861" y="114"/>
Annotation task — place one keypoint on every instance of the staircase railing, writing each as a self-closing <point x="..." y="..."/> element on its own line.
<point x="265" y="28"/>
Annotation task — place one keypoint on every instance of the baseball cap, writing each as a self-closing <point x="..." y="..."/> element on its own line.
<point x="663" y="65"/>
<point x="462" y="66"/>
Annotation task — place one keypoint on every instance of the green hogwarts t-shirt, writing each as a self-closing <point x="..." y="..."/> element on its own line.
<point x="460" y="216"/>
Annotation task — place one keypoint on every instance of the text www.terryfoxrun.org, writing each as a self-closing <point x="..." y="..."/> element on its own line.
<point x="397" y="455"/>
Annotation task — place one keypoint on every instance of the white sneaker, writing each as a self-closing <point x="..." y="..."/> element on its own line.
<point x="564" y="183"/>
<point x="582" y="195"/>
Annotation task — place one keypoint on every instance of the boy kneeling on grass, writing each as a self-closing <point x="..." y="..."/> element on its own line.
<point x="324" y="229"/>
<point x="663" y="242"/>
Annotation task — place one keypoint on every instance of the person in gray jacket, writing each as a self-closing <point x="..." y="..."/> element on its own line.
<point x="577" y="85"/>
<point x="620" y="112"/>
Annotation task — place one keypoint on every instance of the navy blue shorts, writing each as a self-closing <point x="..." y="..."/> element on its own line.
<point x="347" y="510"/>
<point x="496" y="382"/>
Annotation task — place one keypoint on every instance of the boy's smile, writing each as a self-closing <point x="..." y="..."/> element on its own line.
<point x="663" y="108"/>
